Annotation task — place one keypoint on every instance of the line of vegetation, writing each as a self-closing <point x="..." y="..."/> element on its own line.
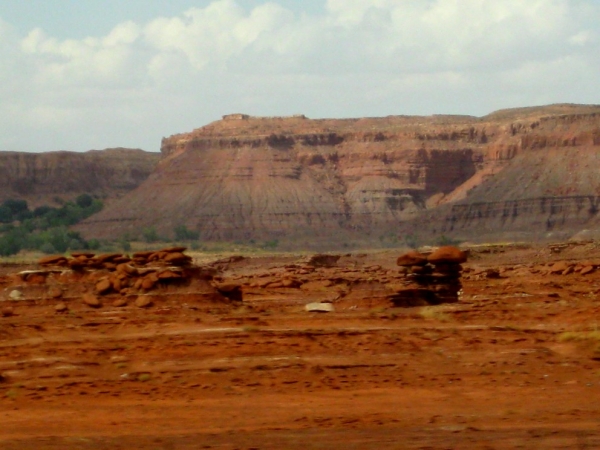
<point x="45" y="228"/>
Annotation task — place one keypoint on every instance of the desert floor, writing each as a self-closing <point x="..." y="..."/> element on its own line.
<point x="515" y="364"/>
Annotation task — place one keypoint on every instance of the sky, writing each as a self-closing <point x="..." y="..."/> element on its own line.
<point x="93" y="74"/>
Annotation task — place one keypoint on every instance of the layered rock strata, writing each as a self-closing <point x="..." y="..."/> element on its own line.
<point x="40" y="178"/>
<point x="306" y="182"/>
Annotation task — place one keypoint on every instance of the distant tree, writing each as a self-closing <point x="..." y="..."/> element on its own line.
<point x="125" y="242"/>
<point x="84" y="200"/>
<point x="47" y="248"/>
<point x="6" y="215"/>
<point x="150" y="235"/>
<point x="445" y="240"/>
<point x="182" y="233"/>
<point x="410" y="240"/>
<point x="42" y="210"/>
<point x="45" y="228"/>
<point x="76" y="244"/>
<point x="93" y="244"/>
<point x="16" y="206"/>
<point x="271" y="245"/>
<point x="13" y="241"/>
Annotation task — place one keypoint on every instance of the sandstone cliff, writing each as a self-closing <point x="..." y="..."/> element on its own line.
<point x="549" y="190"/>
<point x="39" y="178"/>
<point x="302" y="180"/>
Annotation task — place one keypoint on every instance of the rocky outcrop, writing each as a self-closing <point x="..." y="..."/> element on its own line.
<point x="85" y="280"/>
<point x="40" y="178"/>
<point x="324" y="182"/>
<point x="432" y="279"/>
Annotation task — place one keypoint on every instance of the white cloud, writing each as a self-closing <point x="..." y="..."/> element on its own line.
<point x="359" y="57"/>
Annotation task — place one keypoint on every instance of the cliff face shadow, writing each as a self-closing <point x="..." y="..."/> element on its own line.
<point x="449" y="169"/>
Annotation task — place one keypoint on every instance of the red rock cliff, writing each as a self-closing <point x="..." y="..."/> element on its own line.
<point x="41" y="177"/>
<point x="293" y="178"/>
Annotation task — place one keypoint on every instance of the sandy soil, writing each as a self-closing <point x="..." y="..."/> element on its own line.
<point x="514" y="364"/>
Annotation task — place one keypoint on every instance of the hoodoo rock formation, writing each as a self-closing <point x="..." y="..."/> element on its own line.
<point x="305" y="181"/>
<point x="41" y="177"/>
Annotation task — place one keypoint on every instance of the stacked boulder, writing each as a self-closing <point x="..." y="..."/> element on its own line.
<point x="430" y="279"/>
<point x="141" y="272"/>
<point x="166" y="277"/>
<point x="172" y="256"/>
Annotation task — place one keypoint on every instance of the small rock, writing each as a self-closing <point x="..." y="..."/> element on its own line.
<point x="587" y="270"/>
<point x="568" y="270"/>
<point x="77" y="264"/>
<point x="55" y="292"/>
<point x="127" y="269"/>
<point x="176" y="258"/>
<point x="108" y="257"/>
<point x="412" y="258"/>
<point x="15" y="295"/>
<point x="91" y="300"/>
<point x="492" y="273"/>
<point x="7" y="312"/>
<point x="120" y="302"/>
<point x="290" y="283"/>
<point x="103" y="286"/>
<point x="61" y="307"/>
<point x="321" y="260"/>
<point x="169" y="275"/>
<point x="121" y="260"/>
<point x="447" y="254"/>
<point x="319" y="307"/>
<point x="53" y="260"/>
<point x="157" y="256"/>
<point x="143" y="301"/>
<point x="559" y="267"/>
<point x="148" y="283"/>
<point x="116" y="284"/>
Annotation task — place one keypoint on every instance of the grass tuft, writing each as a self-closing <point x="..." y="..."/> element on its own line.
<point x="579" y="336"/>
<point x="144" y="377"/>
<point x="434" y="313"/>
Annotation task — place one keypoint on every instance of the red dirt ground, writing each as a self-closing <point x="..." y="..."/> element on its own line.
<point x="514" y="364"/>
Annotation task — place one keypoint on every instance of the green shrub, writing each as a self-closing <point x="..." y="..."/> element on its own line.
<point x="6" y="215"/>
<point x="45" y="228"/>
<point x="444" y="240"/>
<point x="182" y="233"/>
<point x="93" y="244"/>
<point x="10" y="245"/>
<point x="150" y="235"/>
<point x="84" y="201"/>
<point x="271" y="245"/>
<point x="47" y="248"/>
<point x="15" y="206"/>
